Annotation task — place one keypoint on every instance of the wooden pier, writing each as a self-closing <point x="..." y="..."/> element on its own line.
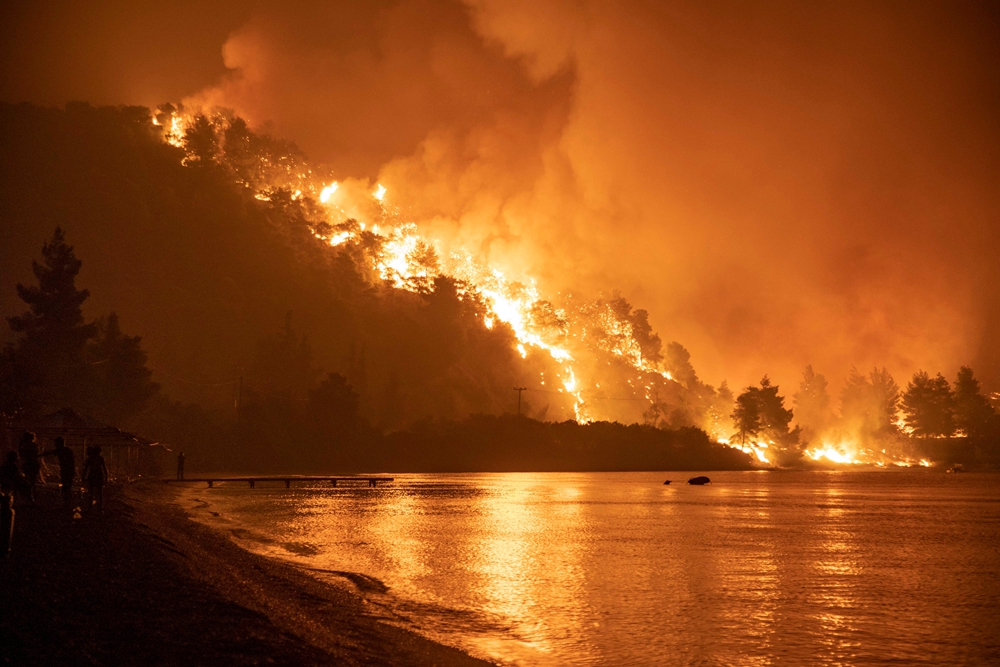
<point x="287" y="479"/>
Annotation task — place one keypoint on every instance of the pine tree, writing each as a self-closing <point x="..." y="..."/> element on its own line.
<point x="929" y="406"/>
<point x="761" y="411"/>
<point x="973" y="411"/>
<point x="746" y="415"/>
<point x="48" y="363"/>
<point x="885" y="400"/>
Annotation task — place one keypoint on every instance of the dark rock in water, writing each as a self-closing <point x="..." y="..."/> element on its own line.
<point x="667" y="482"/>
<point x="699" y="480"/>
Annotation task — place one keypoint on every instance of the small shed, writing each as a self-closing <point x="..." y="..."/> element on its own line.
<point x="128" y="456"/>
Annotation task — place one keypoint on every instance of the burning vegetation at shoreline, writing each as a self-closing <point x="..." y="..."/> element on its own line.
<point x="405" y="332"/>
<point x="598" y="359"/>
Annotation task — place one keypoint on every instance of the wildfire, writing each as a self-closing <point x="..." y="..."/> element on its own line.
<point x="832" y="454"/>
<point x="174" y="130"/>
<point x="758" y="449"/>
<point x="851" y="454"/>
<point x="578" y="342"/>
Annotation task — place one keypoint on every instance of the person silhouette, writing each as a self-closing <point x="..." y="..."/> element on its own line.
<point x="180" y="465"/>
<point x="67" y="468"/>
<point x="95" y="475"/>
<point x="11" y="479"/>
<point x="27" y="450"/>
<point x="6" y="524"/>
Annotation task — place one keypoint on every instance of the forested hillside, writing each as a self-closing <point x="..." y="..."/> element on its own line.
<point x="220" y="285"/>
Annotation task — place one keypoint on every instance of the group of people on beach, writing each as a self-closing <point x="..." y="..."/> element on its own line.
<point x="22" y="479"/>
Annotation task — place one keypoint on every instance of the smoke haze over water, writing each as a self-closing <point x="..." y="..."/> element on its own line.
<point x="777" y="184"/>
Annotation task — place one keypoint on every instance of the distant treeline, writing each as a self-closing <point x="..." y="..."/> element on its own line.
<point x="508" y="443"/>
<point x="187" y="257"/>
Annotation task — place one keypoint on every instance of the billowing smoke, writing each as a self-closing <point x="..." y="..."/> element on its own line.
<point x="777" y="184"/>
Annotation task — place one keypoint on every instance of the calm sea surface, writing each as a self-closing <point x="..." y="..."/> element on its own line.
<point x="795" y="568"/>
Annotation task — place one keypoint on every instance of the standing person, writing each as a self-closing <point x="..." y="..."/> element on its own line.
<point x="95" y="475"/>
<point x="27" y="449"/>
<point x="67" y="468"/>
<point x="11" y="479"/>
<point x="180" y="465"/>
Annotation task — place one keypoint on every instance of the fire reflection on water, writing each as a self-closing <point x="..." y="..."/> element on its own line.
<point x="593" y="569"/>
<point x="839" y="566"/>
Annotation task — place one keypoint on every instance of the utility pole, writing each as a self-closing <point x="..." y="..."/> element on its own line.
<point x="519" y="390"/>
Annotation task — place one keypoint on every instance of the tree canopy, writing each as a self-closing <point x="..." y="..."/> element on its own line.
<point x="929" y="406"/>
<point x="59" y="360"/>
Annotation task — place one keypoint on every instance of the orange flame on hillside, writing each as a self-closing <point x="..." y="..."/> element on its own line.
<point x="572" y="336"/>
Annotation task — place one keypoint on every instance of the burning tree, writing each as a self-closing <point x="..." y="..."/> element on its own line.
<point x="812" y="404"/>
<point x="761" y="415"/>
<point x="870" y="403"/>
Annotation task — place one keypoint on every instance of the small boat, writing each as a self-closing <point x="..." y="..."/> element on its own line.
<point x="699" y="481"/>
<point x="956" y="468"/>
<point x="667" y="482"/>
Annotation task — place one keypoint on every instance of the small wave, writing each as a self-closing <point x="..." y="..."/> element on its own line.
<point x="364" y="582"/>
<point x="300" y="548"/>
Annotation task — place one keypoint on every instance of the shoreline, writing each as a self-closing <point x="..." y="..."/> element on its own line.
<point x="146" y="584"/>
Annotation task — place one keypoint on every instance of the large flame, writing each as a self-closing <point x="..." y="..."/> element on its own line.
<point x="572" y="336"/>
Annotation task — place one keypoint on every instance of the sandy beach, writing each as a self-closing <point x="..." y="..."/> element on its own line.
<point x="143" y="584"/>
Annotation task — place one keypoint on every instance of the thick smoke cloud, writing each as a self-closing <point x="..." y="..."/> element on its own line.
<point x="777" y="183"/>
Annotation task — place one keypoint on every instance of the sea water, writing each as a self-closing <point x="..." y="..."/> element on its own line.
<point x="757" y="568"/>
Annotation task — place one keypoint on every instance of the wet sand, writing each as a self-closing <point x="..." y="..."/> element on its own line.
<point x="143" y="584"/>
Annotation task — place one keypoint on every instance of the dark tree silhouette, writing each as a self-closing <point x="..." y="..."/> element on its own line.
<point x="746" y="415"/>
<point x="677" y="361"/>
<point x="123" y="383"/>
<point x="47" y="363"/>
<point x="973" y="412"/>
<point x="60" y="360"/>
<point x="761" y="411"/>
<point x="201" y="141"/>
<point x="929" y="406"/>
<point x="642" y="331"/>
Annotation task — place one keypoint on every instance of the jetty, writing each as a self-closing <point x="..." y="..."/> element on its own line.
<point x="287" y="479"/>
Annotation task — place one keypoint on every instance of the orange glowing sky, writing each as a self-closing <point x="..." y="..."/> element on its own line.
<point x="778" y="184"/>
